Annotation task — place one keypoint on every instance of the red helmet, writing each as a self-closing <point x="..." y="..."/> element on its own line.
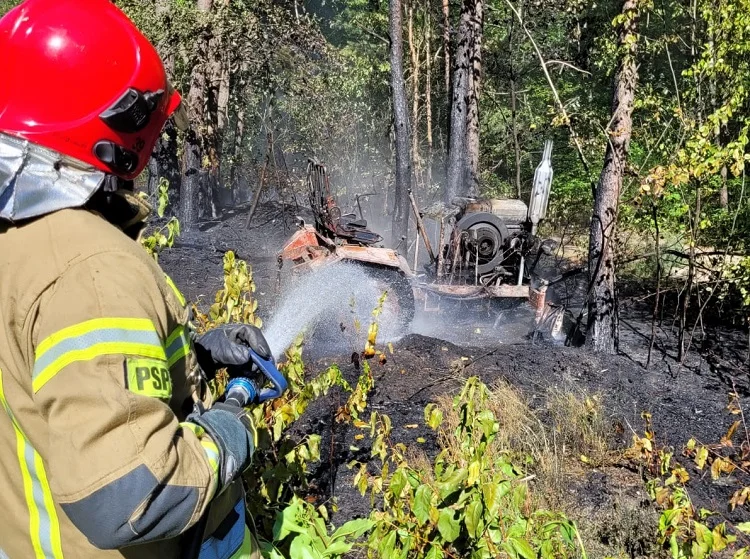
<point x="79" y="78"/>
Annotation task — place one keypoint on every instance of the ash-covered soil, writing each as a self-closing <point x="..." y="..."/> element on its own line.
<point x="441" y="350"/>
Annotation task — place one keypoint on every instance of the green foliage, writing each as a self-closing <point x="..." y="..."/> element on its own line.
<point x="472" y="501"/>
<point x="683" y="529"/>
<point x="278" y="474"/>
<point x="300" y="532"/>
<point x="7" y="5"/>
<point x="163" y="237"/>
<point x="235" y="301"/>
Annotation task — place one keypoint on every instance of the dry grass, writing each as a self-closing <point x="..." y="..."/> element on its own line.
<point x="560" y="440"/>
<point x="581" y="426"/>
<point x="553" y="439"/>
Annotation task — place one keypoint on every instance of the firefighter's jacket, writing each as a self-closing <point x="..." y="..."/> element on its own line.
<point x="94" y="459"/>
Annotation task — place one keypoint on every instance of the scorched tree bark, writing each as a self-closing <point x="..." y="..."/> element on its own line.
<point x="400" y="223"/>
<point x="602" y="335"/>
<point x="465" y="88"/>
<point x="192" y="161"/>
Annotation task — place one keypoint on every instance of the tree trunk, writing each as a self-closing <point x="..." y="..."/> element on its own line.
<point x="414" y="57"/>
<point x="475" y="73"/>
<point x="428" y="90"/>
<point x="192" y="159"/>
<point x="400" y="223"/>
<point x="213" y="119"/>
<point x="447" y="45"/>
<point x="457" y="148"/>
<point x="602" y="333"/>
<point x="166" y="152"/>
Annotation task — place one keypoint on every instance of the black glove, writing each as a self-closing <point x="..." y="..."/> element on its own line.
<point x="227" y="346"/>
<point x="232" y="430"/>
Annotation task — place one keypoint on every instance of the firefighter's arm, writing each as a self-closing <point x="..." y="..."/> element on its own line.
<point x="123" y="468"/>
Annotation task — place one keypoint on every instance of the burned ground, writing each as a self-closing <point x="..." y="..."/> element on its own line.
<point x="686" y="401"/>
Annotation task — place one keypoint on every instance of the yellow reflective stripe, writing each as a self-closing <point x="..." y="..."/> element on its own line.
<point x="44" y="526"/>
<point x="49" y="505"/>
<point x="28" y="491"/>
<point x="210" y="449"/>
<point x="89" y="326"/>
<point x="180" y="296"/>
<point x="196" y="429"/>
<point x="178" y="345"/>
<point x="94" y="338"/>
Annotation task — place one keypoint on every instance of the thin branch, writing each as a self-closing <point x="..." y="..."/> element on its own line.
<point x="568" y="65"/>
<point x="372" y="33"/>
<point x="674" y="77"/>
<point x="559" y="102"/>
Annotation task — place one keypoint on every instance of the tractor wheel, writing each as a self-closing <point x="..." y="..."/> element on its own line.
<point x="400" y="295"/>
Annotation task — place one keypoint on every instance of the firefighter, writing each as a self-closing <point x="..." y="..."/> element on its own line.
<point x="103" y="452"/>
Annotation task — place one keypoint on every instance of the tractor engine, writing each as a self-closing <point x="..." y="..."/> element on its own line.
<point x="490" y="240"/>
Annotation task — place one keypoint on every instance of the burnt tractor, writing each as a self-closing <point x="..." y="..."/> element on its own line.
<point x="343" y="237"/>
<point x="487" y="248"/>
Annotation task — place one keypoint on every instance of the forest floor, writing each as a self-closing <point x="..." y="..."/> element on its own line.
<point x="435" y="357"/>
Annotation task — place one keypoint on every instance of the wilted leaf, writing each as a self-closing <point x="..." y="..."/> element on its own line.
<point x="721" y="466"/>
<point x="726" y="440"/>
<point x="701" y="456"/>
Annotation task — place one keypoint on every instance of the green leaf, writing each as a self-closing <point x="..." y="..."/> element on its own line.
<point x="475" y="469"/>
<point x="743" y="527"/>
<point x="422" y="503"/>
<point x="452" y="483"/>
<point x="338" y="548"/>
<point x="448" y="526"/>
<point x="387" y="544"/>
<point x="302" y="548"/>
<point x="435" y="552"/>
<point x="398" y="482"/>
<point x="522" y="548"/>
<point x="286" y="521"/>
<point x="473" y="518"/>
<point x="354" y="528"/>
<point x="433" y="416"/>
<point x="269" y="551"/>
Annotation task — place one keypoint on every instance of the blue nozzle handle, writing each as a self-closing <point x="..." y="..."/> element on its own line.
<point x="242" y="391"/>
<point x="268" y="367"/>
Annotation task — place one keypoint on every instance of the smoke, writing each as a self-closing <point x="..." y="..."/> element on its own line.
<point x="329" y="304"/>
<point x="479" y="323"/>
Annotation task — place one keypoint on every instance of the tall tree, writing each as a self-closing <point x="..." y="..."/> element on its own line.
<point x="400" y="223"/>
<point x="463" y="68"/>
<point x="476" y="25"/>
<point x="192" y="159"/>
<point x="447" y="44"/>
<point x="602" y="335"/>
